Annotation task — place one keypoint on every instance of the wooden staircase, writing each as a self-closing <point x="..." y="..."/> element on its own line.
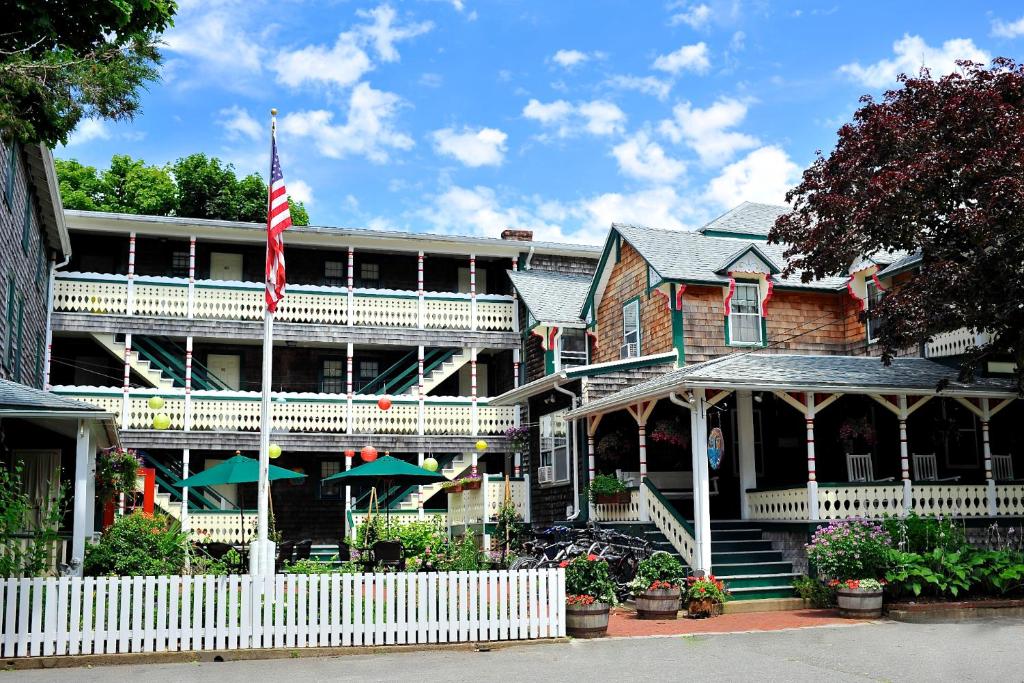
<point x="748" y="563"/>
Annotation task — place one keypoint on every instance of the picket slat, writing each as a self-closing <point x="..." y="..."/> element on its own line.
<point x="361" y="604"/>
<point x="87" y="614"/>
<point x="149" y="614"/>
<point x="324" y="611"/>
<point x="61" y="644"/>
<point x="301" y="627"/>
<point x="173" y="612"/>
<point x="161" y="613"/>
<point x="75" y="622"/>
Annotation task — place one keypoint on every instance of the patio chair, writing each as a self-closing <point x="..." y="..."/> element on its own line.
<point x="303" y="549"/>
<point x="926" y="468"/>
<point x="389" y="554"/>
<point x="859" y="468"/>
<point x="284" y="554"/>
<point x="1002" y="467"/>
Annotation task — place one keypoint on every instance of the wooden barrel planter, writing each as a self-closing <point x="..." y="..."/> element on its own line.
<point x="855" y="603"/>
<point x="587" y="621"/>
<point x="662" y="603"/>
<point x="702" y="609"/>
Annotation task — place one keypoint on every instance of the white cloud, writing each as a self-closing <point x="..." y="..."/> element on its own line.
<point x="640" y="157"/>
<point x="217" y="39"/>
<point x="687" y="58"/>
<point x="299" y="190"/>
<point x="569" y="58"/>
<point x="738" y="41"/>
<point x="238" y="122"/>
<point x="648" y="85"/>
<point x="383" y="33"/>
<point x="912" y="53"/>
<point x="695" y="16"/>
<point x="431" y="80"/>
<point x="597" y="117"/>
<point x="88" y="130"/>
<point x="342" y="64"/>
<point x="481" y="147"/>
<point x="764" y="175"/>
<point x="368" y="130"/>
<point x="1008" y="29"/>
<point x="658" y="207"/>
<point x="706" y="130"/>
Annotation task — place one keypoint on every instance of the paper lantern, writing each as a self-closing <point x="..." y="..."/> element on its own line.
<point x="156" y="403"/>
<point x="350" y="453"/>
<point x="161" y="421"/>
<point x="368" y="454"/>
<point x="481" y="445"/>
<point x="383" y="402"/>
<point x="430" y="464"/>
<point x="274" y="451"/>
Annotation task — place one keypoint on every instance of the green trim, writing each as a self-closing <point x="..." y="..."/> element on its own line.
<point x="735" y="235"/>
<point x="549" y="361"/>
<point x="639" y="363"/>
<point x="678" y="337"/>
<point x="678" y="516"/>
<point x="589" y="305"/>
<point x="16" y="372"/>
<point x="12" y="171"/>
<point x="26" y="228"/>
<point x="764" y="331"/>
<point x="761" y="256"/>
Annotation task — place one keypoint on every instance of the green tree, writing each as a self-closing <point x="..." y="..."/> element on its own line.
<point x="251" y="199"/>
<point x="80" y="185"/>
<point x="206" y="187"/>
<point x="298" y="211"/>
<point x="133" y="187"/>
<point x="63" y="61"/>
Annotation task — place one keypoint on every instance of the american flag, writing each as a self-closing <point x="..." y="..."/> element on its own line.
<point x="278" y="220"/>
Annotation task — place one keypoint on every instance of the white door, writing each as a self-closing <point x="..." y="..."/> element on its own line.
<point x="225" y="266"/>
<point x="227" y="368"/>
<point x="481" y="281"/>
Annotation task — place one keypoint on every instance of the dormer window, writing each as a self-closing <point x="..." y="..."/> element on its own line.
<point x="874" y="297"/>
<point x="745" y="314"/>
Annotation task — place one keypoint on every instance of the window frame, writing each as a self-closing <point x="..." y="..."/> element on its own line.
<point x="8" y="338"/>
<point x="634" y="302"/>
<point x="552" y="447"/>
<point x="26" y="228"/>
<point x="374" y="374"/>
<point x="757" y="313"/>
<point x="364" y="278"/>
<point x="872" y="296"/>
<point x="16" y="350"/>
<point x="340" y="280"/>
<point x="341" y="377"/>
<point x="561" y="349"/>
<point x="326" y="470"/>
<point x="176" y="270"/>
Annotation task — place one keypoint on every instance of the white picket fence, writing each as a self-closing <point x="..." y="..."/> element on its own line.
<point x="74" y="616"/>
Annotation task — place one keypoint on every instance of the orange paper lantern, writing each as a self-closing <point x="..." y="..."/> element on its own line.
<point x="369" y="453"/>
<point x="383" y="402"/>
<point x="350" y="453"/>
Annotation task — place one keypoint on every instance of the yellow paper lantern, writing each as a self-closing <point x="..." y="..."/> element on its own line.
<point x="156" y="402"/>
<point x="481" y="445"/>
<point x="430" y="464"/>
<point x="161" y="421"/>
<point x="274" y="451"/>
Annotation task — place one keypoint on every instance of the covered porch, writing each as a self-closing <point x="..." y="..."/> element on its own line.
<point x="809" y="438"/>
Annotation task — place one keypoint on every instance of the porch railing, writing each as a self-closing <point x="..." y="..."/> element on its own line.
<point x="168" y="297"/>
<point x="620" y="512"/>
<point x="670" y="522"/>
<point x="953" y="343"/>
<point x="843" y="501"/>
<point x="480" y="506"/>
<point x="235" y="411"/>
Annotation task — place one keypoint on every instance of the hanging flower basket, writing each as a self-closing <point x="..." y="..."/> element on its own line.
<point x="470" y="484"/>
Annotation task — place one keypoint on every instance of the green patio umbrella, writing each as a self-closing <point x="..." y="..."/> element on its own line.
<point x="390" y="471"/>
<point x="237" y="470"/>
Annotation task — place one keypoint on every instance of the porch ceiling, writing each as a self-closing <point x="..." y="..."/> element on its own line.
<point x="832" y="374"/>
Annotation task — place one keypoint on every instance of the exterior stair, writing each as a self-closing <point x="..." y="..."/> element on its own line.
<point x="447" y="368"/>
<point x="142" y="367"/>
<point x="453" y="470"/>
<point x="748" y="563"/>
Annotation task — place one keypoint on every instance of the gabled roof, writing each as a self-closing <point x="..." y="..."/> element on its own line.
<point x="552" y="298"/>
<point x="751" y="248"/>
<point x="786" y="372"/>
<point x="906" y="262"/>
<point x="44" y="177"/>
<point x="16" y="397"/>
<point x="747" y="219"/>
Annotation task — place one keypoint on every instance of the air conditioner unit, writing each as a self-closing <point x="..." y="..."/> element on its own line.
<point x="630" y="350"/>
<point x="545" y="475"/>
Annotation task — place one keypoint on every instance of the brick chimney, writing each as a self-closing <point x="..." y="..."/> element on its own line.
<point x="517" y="234"/>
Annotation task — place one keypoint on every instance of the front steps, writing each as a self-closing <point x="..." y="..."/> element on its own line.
<point x="748" y="564"/>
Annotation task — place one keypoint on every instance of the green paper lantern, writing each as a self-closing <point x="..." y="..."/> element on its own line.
<point x="274" y="451"/>
<point x="156" y="402"/>
<point x="430" y="464"/>
<point x="161" y="421"/>
<point x="481" y="445"/>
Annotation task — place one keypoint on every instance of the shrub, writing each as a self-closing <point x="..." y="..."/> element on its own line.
<point x="459" y="554"/>
<point x="588" y="575"/>
<point x="605" y="484"/>
<point x="138" y="545"/>
<point x="917" y="534"/>
<point x="818" y="593"/>
<point x="849" y="549"/>
<point x="309" y="566"/>
<point x="945" y="574"/>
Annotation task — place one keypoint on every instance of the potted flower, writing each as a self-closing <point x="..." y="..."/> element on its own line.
<point x="518" y="438"/>
<point x="590" y="593"/>
<point x="856" y="428"/>
<point x="116" y="473"/>
<point x="656" y="587"/>
<point x="859" y="598"/>
<point x="451" y="487"/>
<point x="470" y="483"/>
<point x="704" y="596"/>
<point x="670" y="432"/>
<point x="607" y="490"/>
<point x="850" y="555"/>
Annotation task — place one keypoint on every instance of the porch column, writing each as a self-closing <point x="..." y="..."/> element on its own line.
<point x="185" y="454"/>
<point x="419" y="491"/>
<point x="748" y="463"/>
<point x="187" y="419"/>
<point x="592" y="422"/>
<point x="348" y="499"/>
<point x="642" y="436"/>
<point x="420" y="303"/>
<point x="902" y="414"/>
<point x="350" y="280"/>
<point x="421" y="411"/>
<point x="515" y="366"/>
<point x="986" y="416"/>
<point x="191" y="276"/>
<point x="472" y="291"/>
<point x="125" y="384"/>
<point x="348" y="380"/>
<point x="131" y="274"/>
<point x="84" y="490"/>
<point x="473" y="411"/>
<point x="812" y="477"/>
<point x="701" y="493"/>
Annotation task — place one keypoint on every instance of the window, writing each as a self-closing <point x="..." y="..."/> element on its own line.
<point x="874" y="297"/>
<point x="335" y="274"/>
<point x="330" y="490"/>
<point x="26" y="229"/>
<point x="368" y="369"/>
<point x="573" y="348"/>
<point x="745" y="315"/>
<point x="554" y="445"/>
<point x="630" y="329"/>
<point x="332" y="377"/>
<point x="39" y="363"/>
<point x="369" y="273"/>
<point x="179" y="264"/>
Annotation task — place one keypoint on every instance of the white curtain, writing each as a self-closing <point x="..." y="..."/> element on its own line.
<point x="40" y="479"/>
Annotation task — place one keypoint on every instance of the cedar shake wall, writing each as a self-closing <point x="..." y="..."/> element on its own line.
<point x="627" y="280"/>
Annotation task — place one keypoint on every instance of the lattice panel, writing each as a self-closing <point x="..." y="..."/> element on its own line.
<point x="91" y="296"/>
<point x="163" y="300"/>
<point x="378" y="311"/>
<point x="1010" y="499"/>
<point x="859" y="501"/>
<point x="223" y="303"/>
<point x="494" y="315"/>
<point x="448" y="314"/>
<point x="959" y="500"/>
<point x="784" y="504"/>
<point x="312" y="307"/>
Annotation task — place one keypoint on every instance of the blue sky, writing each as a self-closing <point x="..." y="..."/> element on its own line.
<point x="461" y="116"/>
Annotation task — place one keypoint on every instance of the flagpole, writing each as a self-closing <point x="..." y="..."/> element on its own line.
<point x="261" y="561"/>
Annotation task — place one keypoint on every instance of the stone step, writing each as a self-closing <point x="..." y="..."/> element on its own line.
<point x="742" y="557"/>
<point x="740" y="568"/>
<point x="739" y="546"/>
<point x="736" y="535"/>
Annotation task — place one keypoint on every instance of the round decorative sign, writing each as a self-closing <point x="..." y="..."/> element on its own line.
<point x="368" y="454"/>
<point x="716" y="447"/>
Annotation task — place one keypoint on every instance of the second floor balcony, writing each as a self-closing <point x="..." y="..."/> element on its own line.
<point x="180" y="298"/>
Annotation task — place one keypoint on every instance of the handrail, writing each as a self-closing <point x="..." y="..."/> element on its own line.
<point x="671" y="508"/>
<point x="149" y="350"/>
<point x="440" y="357"/>
<point x="383" y="377"/>
<point x="200" y="373"/>
<point x="679" y="532"/>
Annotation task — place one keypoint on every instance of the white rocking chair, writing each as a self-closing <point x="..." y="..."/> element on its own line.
<point x="926" y="468"/>
<point x="860" y="469"/>
<point x="1002" y="467"/>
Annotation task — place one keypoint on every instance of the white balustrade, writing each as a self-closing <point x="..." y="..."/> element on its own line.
<point x="670" y="523"/>
<point x="778" y="504"/>
<point x="301" y="413"/>
<point x="402" y="517"/>
<point x="159" y="296"/>
<point x="620" y="512"/>
<point x="1010" y="499"/>
<point x="851" y="500"/>
<point x="222" y="526"/>
<point x="956" y="500"/>
<point x="468" y="506"/>
<point x="953" y="343"/>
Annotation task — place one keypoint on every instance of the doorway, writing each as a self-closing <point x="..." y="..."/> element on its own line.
<point x="225" y="266"/>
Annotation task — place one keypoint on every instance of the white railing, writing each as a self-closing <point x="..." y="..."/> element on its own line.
<point x="480" y="506"/>
<point x="220" y="526"/>
<point x="670" y="523"/>
<point x="861" y="500"/>
<point x="620" y="512"/>
<point x="112" y="615"/>
<point x="398" y="518"/>
<point x="168" y="297"/>
<point x="953" y="343"/>
<point x="300" y="412"/>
